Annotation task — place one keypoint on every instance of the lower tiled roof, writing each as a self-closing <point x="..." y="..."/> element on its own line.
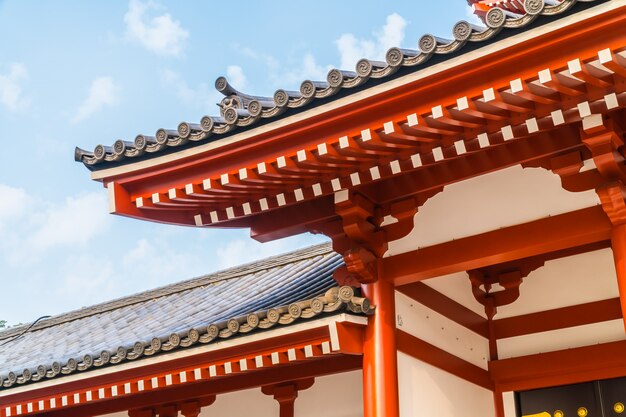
<point x="256" y="296"/>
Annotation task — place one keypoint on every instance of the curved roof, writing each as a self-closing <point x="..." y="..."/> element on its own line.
<point x="225" y="304"/>
<point x="240" y="110"/>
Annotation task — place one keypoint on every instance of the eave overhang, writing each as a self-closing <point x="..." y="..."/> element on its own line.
<point x="322" y="346"/>
<point x="520" y="99"/>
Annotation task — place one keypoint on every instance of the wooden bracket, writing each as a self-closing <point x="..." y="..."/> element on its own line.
<point x="604" y="139"/>
<point x="361" y="233"/>
<point x="508" y="276"/>
<point x="286" y="393"/>
<point x="569" y="167"/>
<point x="358" y="218"/>
<point x="144" y="412"/>
<point x="613" y="199"/>
<point x="186" y="409"/>
<point x="361" y="263"/>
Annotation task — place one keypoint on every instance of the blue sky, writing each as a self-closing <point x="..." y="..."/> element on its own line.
<point x="82" y="73"/>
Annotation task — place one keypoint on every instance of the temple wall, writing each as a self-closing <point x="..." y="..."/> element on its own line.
<point x="572" y="280"/>
<point x="509" y="404"/>
<point x="436" y="329"/>
<point x="429" y="391"/>
<point x="339" y="395"/>
<point x="426" y="391"/>
<point x="503" y="198"/>
<point x="563" y="282"/>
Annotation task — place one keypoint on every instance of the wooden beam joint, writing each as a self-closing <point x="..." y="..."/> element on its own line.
<point x="508" y="278"/>
<point x="363" y="230"/>
<point x="189" y="408"/>
<point x="286" y="393"/>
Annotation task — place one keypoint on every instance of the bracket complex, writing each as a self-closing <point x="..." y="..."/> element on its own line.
<point x="362" y="231"/>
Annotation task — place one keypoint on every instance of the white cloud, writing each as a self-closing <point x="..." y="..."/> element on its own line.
<point x="11" y="94"/>
<point x="159" y="34"/>
<point x="236" y="77"/>
<point x="75" y="222"/>
<point x="30" y="226"/>
<point x="203" y="96"/>
<point x="471" y="17"/>
<point x="309" y="69"/>
<point x="13" y="203"/>
<point x="351" y="49"/>
<point x="95" y="286"/>
<point x="239" y="251"/>
<point x="103" y="92"/>
<point x="159" y="261"/>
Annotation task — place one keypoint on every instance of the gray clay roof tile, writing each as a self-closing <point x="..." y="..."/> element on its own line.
<point x="239" y="110"/>
<point x="175" y="310"/>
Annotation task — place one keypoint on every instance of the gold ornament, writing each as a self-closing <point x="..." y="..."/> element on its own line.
<point x="618" y="408"/>
<point x="582" y="412"/>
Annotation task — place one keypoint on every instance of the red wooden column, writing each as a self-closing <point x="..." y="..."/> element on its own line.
<point x="604" y="138"/>
<point x="613" y="202"/>
<point x="380" y="362"/>
<point x="618" y="242"/>
<point x="362" y="241"/>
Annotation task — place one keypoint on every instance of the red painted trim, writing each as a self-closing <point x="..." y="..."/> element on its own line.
<point x="561" y="367"/>
<point x="350" y="337"/>
<point x="551" y="234"/>
<point x="577" y="40"/>
<point x="498" y="404"/>
<point x="298" y="340"/>
<point x="559" y="318"/>
<point x="274" y="375"/>
<point x="443" y="360"/>
<point x="580" y="40"/>
<point x="445" y="306"/>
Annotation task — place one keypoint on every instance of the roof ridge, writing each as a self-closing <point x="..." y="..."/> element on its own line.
<point x="239" y="110"/>
<point x="222" y="275"/>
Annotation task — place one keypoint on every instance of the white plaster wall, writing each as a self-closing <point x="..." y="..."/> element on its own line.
<point x="509" y="404"/>
<point x="571" y="337"/>
<point x="436" y="329"/>
<point x="572" y="280"/>
<point x="503" y="198"/>
<point x="566" y="281"/>
<point x="426" y="391"/>
<point x="457" y="287"/>
<point x="339" y="395"/>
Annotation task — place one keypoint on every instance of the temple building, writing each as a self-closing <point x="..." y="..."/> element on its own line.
<point x="474" y="192"/>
